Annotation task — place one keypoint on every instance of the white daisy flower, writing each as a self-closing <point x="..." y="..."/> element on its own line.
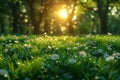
<point x="82" y="54"/>
<point x="109" y="33"/>
<point x="27" y="45"/>
<point x="4" y="72"/>
<point x="54" y="56"/>
<point x="109" y="58"/>
<point x="116" y="55"/>
<point x="105" y="55"/>
<point x="16" y="41"/>
<point x="109" y="47"/>
<point x="100" y="50"/>
<point x="5" y="50"/>
<point x="72" y="60"/>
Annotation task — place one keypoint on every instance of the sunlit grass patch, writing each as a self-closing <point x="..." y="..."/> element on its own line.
<point x="88" y="57"/>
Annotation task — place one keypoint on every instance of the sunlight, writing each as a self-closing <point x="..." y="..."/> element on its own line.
<point x="74" y="17"/>
<point x="63" y="29"/>
<point x="25" y="20"/>
<point x="63" y="13"/>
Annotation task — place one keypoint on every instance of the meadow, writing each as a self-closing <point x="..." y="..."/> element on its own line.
<point x="85" y="57"/>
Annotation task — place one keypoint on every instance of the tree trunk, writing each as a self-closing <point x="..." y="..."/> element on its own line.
<point x="33" y="20"/>
<point x="102" y="12"/>
<point x="70" y="20"/>
<point x="15" y="22"/>
<point x="14" y="7"/>
<point x="36" y="28"/>
<point x="70" y="27"/>
<point x="2" y="25"/>
<point x="46" y="26"/>
<point x="104" y="27"/>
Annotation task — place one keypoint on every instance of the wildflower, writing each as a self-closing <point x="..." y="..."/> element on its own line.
<point x="32" y="57"/>
<point x="105" y="55"/>
<point x="5" y="50"/>
<point x="49" y="47"/>
<point x="27" y="45"/>
<point x="27" y="78"/>
<point x="72" y="60"/>
<point x="54" y="56"/>
<point x="100" y="50"/>
<point x="86" y="48"/>
<point x="56" y="39"/>
<point x="109" y="47"/>
<point x="16" y="41"/>
<point x="116" y="55"/>
<point x="56" y="48"/>
<point x="3" y="72"/>
<point x="75" y="48"/>
<point x="89" y="35"/>
<point x="68" y="48"/>
<point x="82" y="54"/>
<point x="8" y="45"/>
<point x="64" y="38"/>
<point x="0" y="58"/>
<point x="99" y="78"/>
<point x="18" y="63"/>
<point x="109" y="58"/>
<point x="77" y="44"/>
<point x="94" y="47"/>
<point x="109" y="33"/>
<point x="10" y="41"/>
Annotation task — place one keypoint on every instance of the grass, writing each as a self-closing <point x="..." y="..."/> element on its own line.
<point x="88" y="57"/>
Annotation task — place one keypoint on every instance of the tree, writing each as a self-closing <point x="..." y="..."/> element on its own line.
<point x="102" y="6"/>
<point x="2" y="24"/>
<point x="14" y="6"/>
<point x="3" y="12"/>
<point x="71" y="5"/>
<point x="33" y="17"/>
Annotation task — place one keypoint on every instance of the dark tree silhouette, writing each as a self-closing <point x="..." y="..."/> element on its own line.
<point x="102" y="12"/>
<point x="14" y="5"/>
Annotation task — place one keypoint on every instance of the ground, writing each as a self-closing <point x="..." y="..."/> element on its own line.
<point x="84" y="57"/>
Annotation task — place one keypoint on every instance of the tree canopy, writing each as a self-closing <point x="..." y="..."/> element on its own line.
<point x="59" y="16"/>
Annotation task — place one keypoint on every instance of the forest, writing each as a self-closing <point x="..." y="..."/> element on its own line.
<point x="59" y="16"/>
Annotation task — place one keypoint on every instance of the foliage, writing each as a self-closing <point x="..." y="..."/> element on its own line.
<point x="41" y="16"/>
<point x="90" y="57"/>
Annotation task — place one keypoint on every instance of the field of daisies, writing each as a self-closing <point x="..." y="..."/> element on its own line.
<point x="85" y="57"/>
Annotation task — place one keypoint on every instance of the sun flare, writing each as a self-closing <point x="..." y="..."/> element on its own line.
<point x="63" y="13"/>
